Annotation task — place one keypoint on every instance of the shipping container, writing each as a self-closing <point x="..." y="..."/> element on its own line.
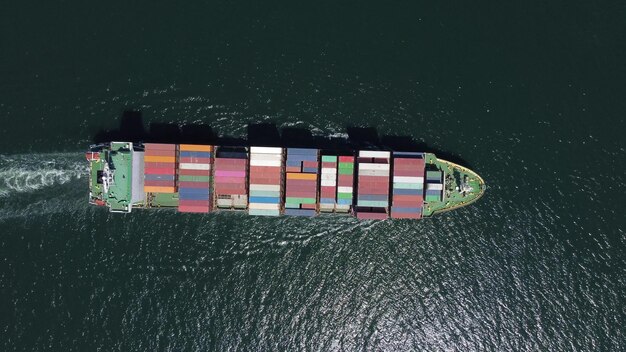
<point x="195" y="178"/>
<point x="159" y="169"/>
<point x="301" y="182"/>
<point x="408" y="185"/>
<point x="231" y="178"/>
<point x="266" y="173"/>
<point x="373" y="184"/>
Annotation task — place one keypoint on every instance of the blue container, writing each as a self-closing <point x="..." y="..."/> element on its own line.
<point x="302" y="157"/>
<point x="300" y="212"/>
<point x="408" y="192"/>
<point x="344" y="201"/>
<point x="268" y="200"/>
<point x="406" y="210"/>
<point x="195" y="154"/>
<point x="192" y="196"/>
<point x="159" y="177"/>
<point x="301" y="151"/>
<point x="295" y="163"/>
<point x="409" y="155"/>
<point x="310" y="170"/>
<point x="327" y="200"/>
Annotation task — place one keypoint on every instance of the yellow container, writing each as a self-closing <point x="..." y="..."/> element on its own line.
<point x="195" y="148"/>
<point x="157" y="189"/>
<point x="159" y="159"/>
<point x="299" y="176"/>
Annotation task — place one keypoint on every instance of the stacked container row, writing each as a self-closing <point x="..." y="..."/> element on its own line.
<point x="231" y="174"/>
<point x="373" y="184"/>
<point x="345" y="184"/>
<point x="266" y="180"/>
<point x="434" y="186"/>
<point x="408" y="185"/>
<point x="194" y="178"/>
<point x="328" y="183"/>
<point x="301" y="182"/>
<point x="159" y="168"/>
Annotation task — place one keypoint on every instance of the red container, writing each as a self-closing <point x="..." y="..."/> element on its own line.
<point x="264" y="169"/>
<point x="194" y="160"/>
<point x="193" y="172"/>
<point x="159" y="152"/>
<point x="371" y="216"/>
<point x="159" y="146"/>
<point x="363" y="178"/>
<point x="308" y="206"/>
<point x="408" y="198"/>
<point x="327" y="194"/>
<point x="310" y="164"/>
<point x="229" y="161"/>
<point x="293" y="169"/>
<point x="191" y="202"/>
<point x="264" y="181"/>
<point x="301" y="194"/>
<point x="157" y="183"/>
<point x="191" y="184"/>
<point x="329" y="164"/>
<point x="238" y="189"/>
<point x="230" y="168"/>
<point x="159" y="165"/>
<point x="396" y="215"/>
<point x="228" y="179"/>
<point x="159" y="171"/>
<point x="193" y="209"/>
<point x="346" y="159"/>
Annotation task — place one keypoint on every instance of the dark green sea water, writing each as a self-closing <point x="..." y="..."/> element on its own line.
<point x="530" y="94"/>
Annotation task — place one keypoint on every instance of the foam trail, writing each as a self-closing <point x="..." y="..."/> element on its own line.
<point x="23" y="173"/>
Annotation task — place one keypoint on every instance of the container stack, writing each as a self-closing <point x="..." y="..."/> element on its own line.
<point x="373" y="185"/>
<point x="345" y="183"/>
<point x="231" y="175"/>
<point x="434" y="186"/>
<point x="408" y="185"/>
<point x="301" y="183"/>
<point x="328" y="184"/>
<point x="194" y="178"/>
<point x="159" y="168"/>
<point x="266" y="180"/>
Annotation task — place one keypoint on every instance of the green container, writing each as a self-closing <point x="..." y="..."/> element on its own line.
<point x="264" y="193"/>
<point x="329" y="158"/>
<point x="433" y="198"/>
<point x="407" y="185"/>
<point x="292" y="205"/>
<point x="346" y="165"/>
<point x="342" y="195"/>
<point x="346" y="171"/>
<point x="193" y="178"/>
<point x="300" y="200"/>
<point x="372" y="203"/>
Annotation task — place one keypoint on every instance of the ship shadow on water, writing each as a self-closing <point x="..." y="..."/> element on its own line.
<point x="132" y="128"/>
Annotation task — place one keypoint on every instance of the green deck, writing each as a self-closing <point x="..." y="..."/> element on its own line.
<point x="452" y="198"/>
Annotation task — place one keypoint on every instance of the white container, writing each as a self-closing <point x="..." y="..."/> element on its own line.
<point x="329" y="170"/>
<point x="374" y="154"/>
<point x="329" y="177"/>
<point x="266" y="157"/>
<point x="277" y="163"/>
<point x="190" y="166"/>
<point x="328" y="183"/>
<point x="408" y="179"/>
<point x="266" y="150"/>
<point x="381" y="173"/>
<point x="344" y="189"/>
<point x="434" y="186"/>
<point x="266" y="206"/>
<point x="369" y="166"/>
<point x="273" y="188"/>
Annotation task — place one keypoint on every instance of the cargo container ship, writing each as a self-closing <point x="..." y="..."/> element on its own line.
<point x="275" y="181"/>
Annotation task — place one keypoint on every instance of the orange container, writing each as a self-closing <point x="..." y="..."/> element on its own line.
<point x="195" y="148"/>
<point x="299" y="176"/>
<point x="159" y="159"/>
<point x="157" y="189"/>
